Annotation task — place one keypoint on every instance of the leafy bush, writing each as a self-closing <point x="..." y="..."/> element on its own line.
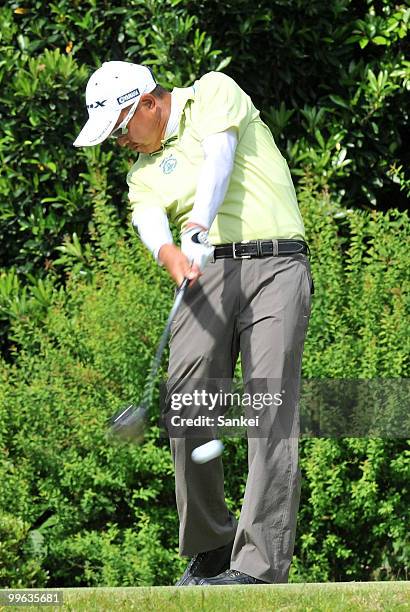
<point x="332" y="80"/>
<point x="354" y="511"/>
<point x="91" y="356"/>
<point x="19" y="565"/>
<point x="360" y="263"/>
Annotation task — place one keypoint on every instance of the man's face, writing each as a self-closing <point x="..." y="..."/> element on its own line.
<point x="145" y="128"/>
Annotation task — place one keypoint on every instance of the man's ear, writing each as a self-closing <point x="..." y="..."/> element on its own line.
<point x="148" y="101"/>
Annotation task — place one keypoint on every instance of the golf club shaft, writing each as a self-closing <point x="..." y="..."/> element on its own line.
<point x="130" y="422"/>
<point x="155" y="363"/>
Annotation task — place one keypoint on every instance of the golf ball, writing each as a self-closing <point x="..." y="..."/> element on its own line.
<point x="207" y="452"/>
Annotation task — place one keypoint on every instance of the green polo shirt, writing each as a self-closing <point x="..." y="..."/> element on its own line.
<point x="260" y="201"/>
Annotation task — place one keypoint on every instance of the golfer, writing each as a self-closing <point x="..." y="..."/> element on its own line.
<point x="205" y="160"/>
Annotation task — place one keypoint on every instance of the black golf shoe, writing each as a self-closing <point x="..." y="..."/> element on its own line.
<point x="206" y="564"/>
<point x="230" y="577"/>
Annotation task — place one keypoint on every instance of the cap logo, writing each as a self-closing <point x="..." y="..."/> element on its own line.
<point x="128" y="96"/>
<point x="96" y="104"/>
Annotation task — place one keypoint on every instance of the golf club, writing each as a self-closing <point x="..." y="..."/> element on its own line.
<point x="128" y="424"/>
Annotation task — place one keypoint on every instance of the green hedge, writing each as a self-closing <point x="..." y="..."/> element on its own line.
<point x="103" y="514"/>
<point x="88" y="513"/>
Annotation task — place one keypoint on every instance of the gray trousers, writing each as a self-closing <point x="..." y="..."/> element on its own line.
<point x="258" y="308"/>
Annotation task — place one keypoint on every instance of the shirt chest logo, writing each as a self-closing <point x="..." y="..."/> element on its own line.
<point x="168" y="164"/>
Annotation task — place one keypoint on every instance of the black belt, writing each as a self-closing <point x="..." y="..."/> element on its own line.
<point x="260" y="248"/>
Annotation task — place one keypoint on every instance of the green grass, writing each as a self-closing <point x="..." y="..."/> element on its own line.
<point x="329" y="597"/>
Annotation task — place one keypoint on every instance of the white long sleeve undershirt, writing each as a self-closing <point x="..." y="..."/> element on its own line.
<point x="153" y="228"/>
<point x="219" y="153"/>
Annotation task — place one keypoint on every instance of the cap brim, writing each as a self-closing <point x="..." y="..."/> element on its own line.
<point x="97" y="129"/>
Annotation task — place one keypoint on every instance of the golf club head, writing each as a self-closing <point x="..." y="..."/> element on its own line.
<point x="128" y="424"/>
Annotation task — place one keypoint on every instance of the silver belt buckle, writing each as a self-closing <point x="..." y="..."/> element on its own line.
<point x="235" y="256"/>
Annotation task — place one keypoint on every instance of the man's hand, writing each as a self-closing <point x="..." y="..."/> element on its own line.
<point x="178" y="264"/>
<point x="196" y="246"/>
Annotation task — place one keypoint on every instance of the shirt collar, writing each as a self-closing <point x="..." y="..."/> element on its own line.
<point x="182" y="95"/>
<point x="173" y="119"/>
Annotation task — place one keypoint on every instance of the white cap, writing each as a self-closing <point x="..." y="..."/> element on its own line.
<point x="111" y="88"/>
